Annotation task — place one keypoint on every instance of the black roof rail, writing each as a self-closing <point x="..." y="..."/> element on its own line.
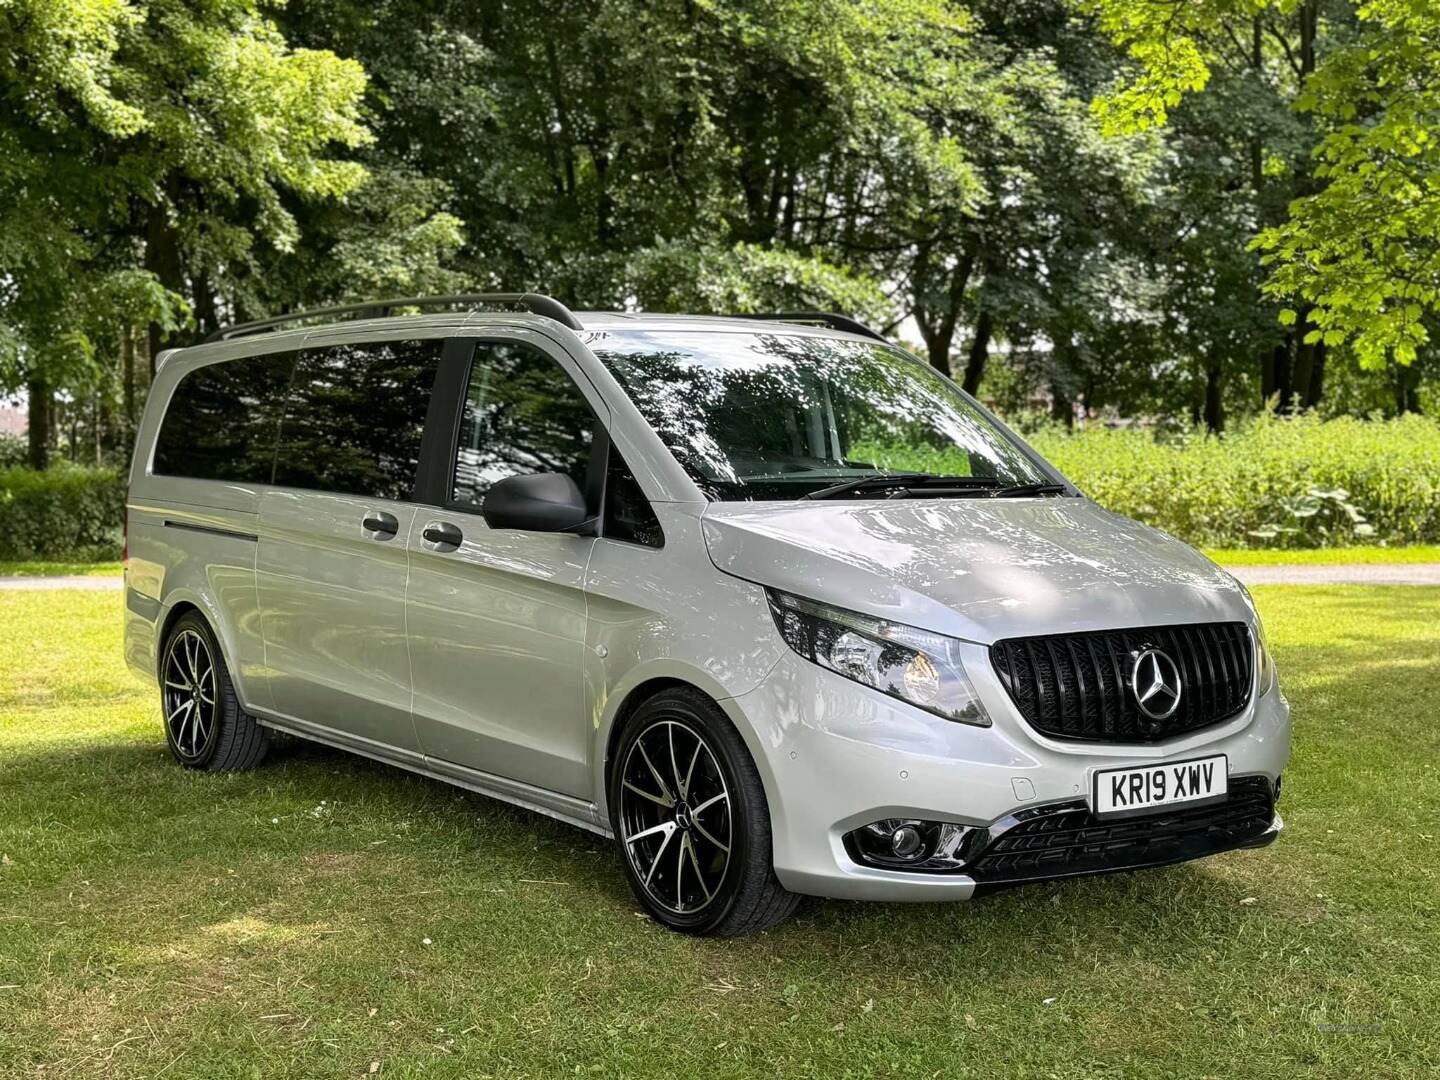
<point x="534" y="303"/>
<point x="823" y="318"/>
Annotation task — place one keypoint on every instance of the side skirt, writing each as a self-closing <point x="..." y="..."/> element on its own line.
<point x="566" y="808"/>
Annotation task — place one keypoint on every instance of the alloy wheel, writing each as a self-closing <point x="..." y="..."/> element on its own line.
<point x="190" y="694"/>
<point x="675" y="817"/>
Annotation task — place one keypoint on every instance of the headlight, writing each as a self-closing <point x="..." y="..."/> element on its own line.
<point x="1263" y="661"/>
<point x="913" y="665"/>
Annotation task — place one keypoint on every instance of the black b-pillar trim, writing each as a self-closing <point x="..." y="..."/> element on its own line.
<point x="442" y="422"/>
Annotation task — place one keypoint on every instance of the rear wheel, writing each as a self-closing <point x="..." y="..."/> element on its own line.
<point x="205" y="727"/>
<point x="692" y="821"/>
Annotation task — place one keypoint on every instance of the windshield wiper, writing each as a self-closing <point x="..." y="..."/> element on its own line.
<point x="904" y="481"/>
<point x="1020" y="491"/>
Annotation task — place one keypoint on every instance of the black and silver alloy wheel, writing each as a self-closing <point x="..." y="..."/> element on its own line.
<point x="205" y="727"/>
<point x="675" y="817"/>
<point x="691" y="817"/>
<point x="190" y="695"/>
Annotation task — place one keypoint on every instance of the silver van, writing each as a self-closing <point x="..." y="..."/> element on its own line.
<point x="767" y="599"/>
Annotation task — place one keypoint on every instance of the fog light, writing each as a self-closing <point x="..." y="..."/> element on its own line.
<point x="909" y="844"/>
<point x="906" y="842"/>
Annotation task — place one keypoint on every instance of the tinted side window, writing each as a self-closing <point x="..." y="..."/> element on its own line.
<point x="522" y="415"/>
<point x="355" y="417"/>
<point x="222" y="420"/>
<point x="628" y="515"/>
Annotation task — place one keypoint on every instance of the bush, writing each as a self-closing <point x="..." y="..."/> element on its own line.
<point x="1296" y="482"/>
<point x="65" y="512"/>
<point x="13" y="450"/>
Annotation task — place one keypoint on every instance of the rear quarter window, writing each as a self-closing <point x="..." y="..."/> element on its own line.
<point x="222" y="421"/>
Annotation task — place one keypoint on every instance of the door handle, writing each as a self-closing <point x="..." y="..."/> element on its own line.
<point x="380" y="525"/>
<point x="442" y="536"/>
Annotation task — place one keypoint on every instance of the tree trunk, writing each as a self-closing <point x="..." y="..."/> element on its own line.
<point x="1214" y="399"/>
<point x="979" y="353"/>
<point x="937" y="323"/>
<point x="207" y="319"/>
<point x="1272" y="365"/>
<point x="39" y="394"/>
<point x="1284" y="375"/>
<point x="127" y="376"/>
<point x="1062" y="409"/>
<point x="162" y="258"/>
<point x="1315" y="389"/>
<point x="1307" y="380"/>
<point x="1407" y="390"/>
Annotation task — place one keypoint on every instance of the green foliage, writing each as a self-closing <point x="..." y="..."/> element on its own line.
<point x="748" y="278"/>
<point x="12" y="450"/>
<point x="1362" y="242"/>
<point x="1297" y="482"/>
<point x="66" y="512"/>
<point x="145" y="151"/>
<point x="1365" y="248"/>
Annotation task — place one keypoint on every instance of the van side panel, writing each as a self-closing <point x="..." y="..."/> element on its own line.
<point x="193" y="542"/>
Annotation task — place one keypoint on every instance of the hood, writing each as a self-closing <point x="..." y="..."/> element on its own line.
<point x="975" y="569"/>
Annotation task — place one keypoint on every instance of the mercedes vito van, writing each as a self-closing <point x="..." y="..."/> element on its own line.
<point x="767" y="599"/>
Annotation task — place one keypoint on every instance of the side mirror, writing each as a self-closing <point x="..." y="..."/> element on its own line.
<point x="539" y="502"/>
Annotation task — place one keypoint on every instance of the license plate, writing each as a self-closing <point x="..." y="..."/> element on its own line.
<point x="1135" y="790"/>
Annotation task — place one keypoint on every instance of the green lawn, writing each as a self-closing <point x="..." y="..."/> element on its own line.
<point x="324" y="916"/>
<point x="58" y="569"/>
<point x="1419" y="553"/>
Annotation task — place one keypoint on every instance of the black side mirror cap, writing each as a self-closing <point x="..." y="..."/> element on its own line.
<point x="538" y="502"/>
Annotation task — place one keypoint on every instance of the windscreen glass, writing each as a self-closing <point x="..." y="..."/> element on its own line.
<point x="778" y="416"/>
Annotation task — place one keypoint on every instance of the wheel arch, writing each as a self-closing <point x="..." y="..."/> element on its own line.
<point x="625" y="700"/>
<point x="177" y="603"/>
<point x="167" y="626"/>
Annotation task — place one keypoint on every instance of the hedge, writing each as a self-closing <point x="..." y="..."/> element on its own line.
<point x="67" y="512"/>
<point x="1296" y="482"/>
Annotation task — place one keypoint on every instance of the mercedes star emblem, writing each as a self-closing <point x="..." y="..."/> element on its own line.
<point x="1155" y="680"/>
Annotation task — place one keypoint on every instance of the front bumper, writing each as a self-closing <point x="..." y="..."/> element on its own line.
<point x="836" y="755"/>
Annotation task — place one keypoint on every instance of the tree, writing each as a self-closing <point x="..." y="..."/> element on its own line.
<point x="1359" y="252"/>
<point x="163" y="136"/>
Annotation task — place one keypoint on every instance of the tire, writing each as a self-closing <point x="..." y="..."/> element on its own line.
<point x="205" y="727"/>
<point x="694" y="827"/>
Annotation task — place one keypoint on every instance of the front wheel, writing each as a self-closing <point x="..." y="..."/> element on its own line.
<point x="205" y="727"/>
<point x="691" y="818"/>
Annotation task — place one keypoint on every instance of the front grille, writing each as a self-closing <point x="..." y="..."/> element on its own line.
<point x="1077" y="686"/>
<point x="1067" y="840"/>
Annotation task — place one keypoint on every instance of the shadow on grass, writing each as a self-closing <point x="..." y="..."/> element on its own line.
<point x="401" y="835"/>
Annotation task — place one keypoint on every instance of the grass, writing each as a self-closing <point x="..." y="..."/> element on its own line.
<point x="58" y="569"/>
<point x="325" y="916"/>
<point x="1419" y="553"/>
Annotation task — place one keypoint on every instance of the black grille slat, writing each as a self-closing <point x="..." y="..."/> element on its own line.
<point x="1123" y="703"/>
<point x="1069" y="839"/>
<point x="1079" y="670"/>
<point x="1209" y="664"/>
<point x="1240" y="642"/>
<point x="1222" y="653"/>
<point x="1077" y="686"/>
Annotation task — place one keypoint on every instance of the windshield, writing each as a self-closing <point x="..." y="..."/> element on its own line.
<point x="776" y="416"/>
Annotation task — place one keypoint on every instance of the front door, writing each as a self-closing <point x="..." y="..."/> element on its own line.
<point x="331" y="566"/>
<point x="497" y="617"/>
